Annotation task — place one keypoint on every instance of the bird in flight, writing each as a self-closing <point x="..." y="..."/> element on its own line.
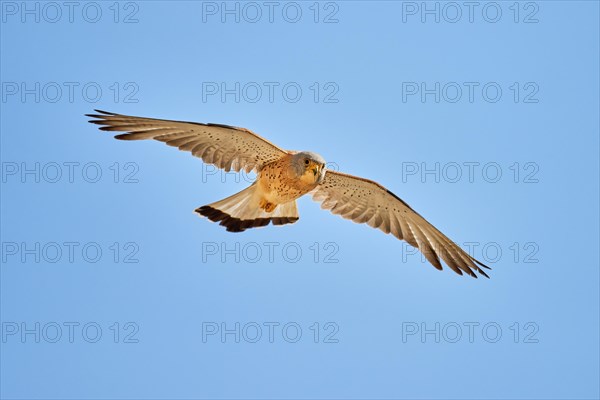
<point x="282" y="177"/>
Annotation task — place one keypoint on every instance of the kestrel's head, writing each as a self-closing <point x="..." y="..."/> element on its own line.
<point x="308" y="167"/>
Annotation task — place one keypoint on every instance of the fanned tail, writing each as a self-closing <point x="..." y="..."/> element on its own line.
<point x="242" y="211"/>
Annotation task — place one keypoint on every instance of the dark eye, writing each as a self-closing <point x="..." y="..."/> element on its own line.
<point x="306" y="161"/>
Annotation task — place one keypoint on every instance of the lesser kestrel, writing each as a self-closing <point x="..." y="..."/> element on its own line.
<point x="282" y="177"/>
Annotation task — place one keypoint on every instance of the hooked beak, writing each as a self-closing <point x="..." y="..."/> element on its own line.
<point x="317" y="170"/>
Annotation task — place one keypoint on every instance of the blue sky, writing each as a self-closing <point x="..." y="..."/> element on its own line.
<point x="483" y="117"/>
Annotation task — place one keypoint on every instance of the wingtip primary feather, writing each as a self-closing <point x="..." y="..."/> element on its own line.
<point x="101" y="114"/>
<point x="481" y="264"/>
<point x="100" y="117"/>
<point x="105" y="112"/>
<point x="124" y="136"/>
<point x="479" y="270"/>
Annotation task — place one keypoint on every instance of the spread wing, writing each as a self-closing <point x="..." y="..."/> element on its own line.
<point x="365" y="201"/>
<point x="225" y="146"/>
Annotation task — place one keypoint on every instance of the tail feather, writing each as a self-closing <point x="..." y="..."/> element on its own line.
<point x="242" y="211"/>
<point x="285" y="214"/>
